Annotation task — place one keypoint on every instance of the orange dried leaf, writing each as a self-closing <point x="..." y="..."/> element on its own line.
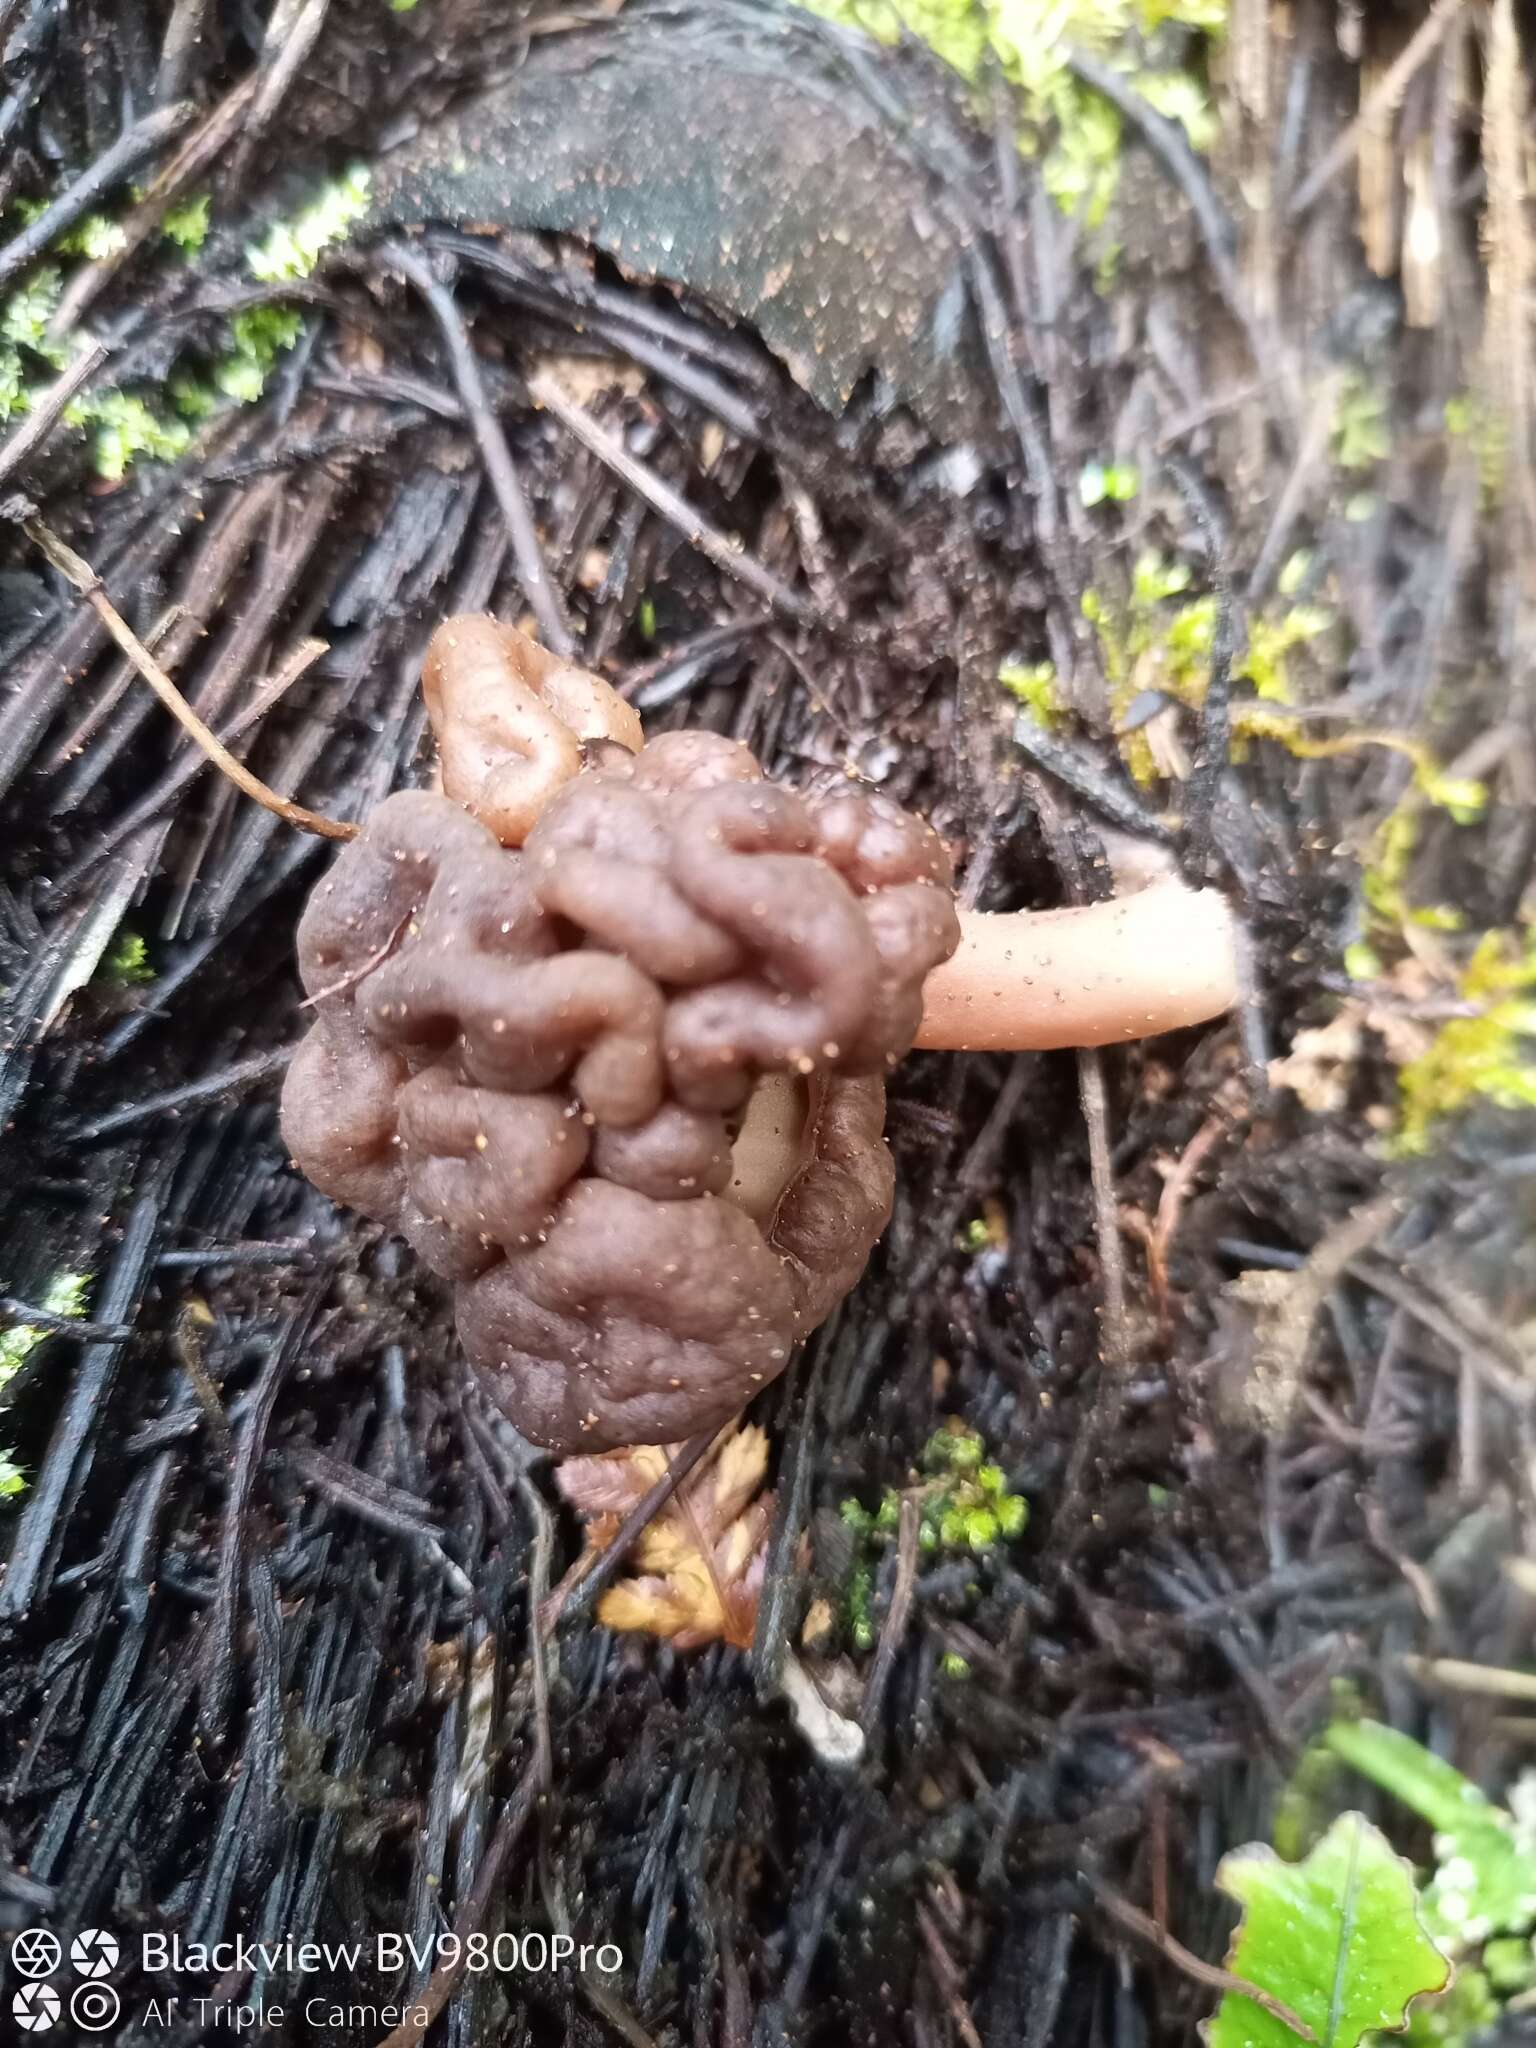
<point x="701" y="1559"/>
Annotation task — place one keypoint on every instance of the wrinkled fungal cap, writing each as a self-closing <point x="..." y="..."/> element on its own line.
<point x="624" y="1087"/>
<point x="511" y="720"/>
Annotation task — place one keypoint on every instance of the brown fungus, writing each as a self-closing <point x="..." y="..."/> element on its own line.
<point x="621" y="1084"/>
<point x="602" y="1029"/>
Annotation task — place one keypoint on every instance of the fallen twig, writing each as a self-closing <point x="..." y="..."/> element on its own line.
<point x="492" y="443"/>
<point x="90" y="586"/>
<point x="113" y="165"/>
<point x="47" y="408"/>
<point x="1134" y="1921"/>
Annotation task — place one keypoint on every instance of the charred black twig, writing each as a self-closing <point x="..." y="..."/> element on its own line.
<point x="1168" y="142"/>
<point x="14" y="1313"/>
<point x="492" y="443"/>
<point x="227" y="1081"/>
<point x="189" y="162"/>
<point x="515" y="1815"/>
<point x="48" y="408"/>
<point x="131" y="149"/>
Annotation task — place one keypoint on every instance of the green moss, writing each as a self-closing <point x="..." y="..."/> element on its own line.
<point x="126" y="426"/>
<point x="861" y="1605"/>
<point x="186" y="224"/>
<point x="123" y="427"/>
<point x="1488" y="1056"/>
<point x="965" y="1508"/>
<point x="26" y="313"/>
<point x="292" y="248"/>
<point x="1460" y="796"/>
<point x="1072" y="130"/>
<point x="65" y="1295"/>
<point x="1160" y="638"/>
<point x="1360" y="434"/>
<point x="94" y="237"/>
<point x="1113" y="483"/>
<point x="128" y="961"/>
<point x="953" y="1665"/>
<point x="260" y="335"/>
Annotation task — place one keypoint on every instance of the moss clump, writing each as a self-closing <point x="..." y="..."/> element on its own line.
<point x="187" y="224"/>
<point x="125" y="425"/>
<point x="128" y="961"/>
<point x="1074" y="132"/>
<point x="1162" y="639"/>
<point x="1489" y="1056"/>
<point x="1361" y="437"/>
<point x="261" y="334"/>
<point x="292" y="248"/>
<point x="1038" y="689"/>
<point x="1108" y="483"/>
<point x="965" y="1510"/>
<point x="65" y="1295"/>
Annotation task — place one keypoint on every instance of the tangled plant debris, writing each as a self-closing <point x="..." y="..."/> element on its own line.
<point x="269" y="1624"/>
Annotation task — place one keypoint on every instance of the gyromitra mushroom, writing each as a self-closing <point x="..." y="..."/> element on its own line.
<point x="602" y="1028"/>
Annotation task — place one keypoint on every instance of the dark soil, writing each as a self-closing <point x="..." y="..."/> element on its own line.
<point x="266" y="1622"/>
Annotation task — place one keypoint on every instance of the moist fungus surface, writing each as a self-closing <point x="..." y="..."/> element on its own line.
<point x="624" y="1085"/>
<point x="744" y="167"/>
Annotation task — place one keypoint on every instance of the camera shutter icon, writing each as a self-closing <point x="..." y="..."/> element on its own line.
<point x="94" y="1952"/>
<point x="36" y="1953"/>
<point x="36" y="2007"/>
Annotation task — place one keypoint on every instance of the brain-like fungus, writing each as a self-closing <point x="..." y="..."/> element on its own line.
<point x="622" y="1083"/>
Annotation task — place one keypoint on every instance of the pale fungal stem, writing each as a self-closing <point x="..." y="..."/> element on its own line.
<point x="1033" y="980"/>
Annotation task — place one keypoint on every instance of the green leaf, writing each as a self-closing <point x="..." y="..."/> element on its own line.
<point x="1337" y="1939"/>
<point x="1485" y="1876"/>
<point x="1452" y="2021"/>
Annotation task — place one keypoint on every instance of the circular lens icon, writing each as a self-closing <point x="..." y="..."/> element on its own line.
<point x="94" y="1952"/>
<point x="36" y="1952"/>
<point x="36" y="2007"/>
<point x="94" y="2008"/>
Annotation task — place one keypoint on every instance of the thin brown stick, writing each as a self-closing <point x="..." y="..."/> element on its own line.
<point x="90" y="586"/>
<point x="1490" y="1681"/>
<point x="900" y="1613"/>
<point x="189" y="162"/>
<point x="1134" y="1921"/>
<point x="1379" y="104"/>
<point x="1170" y="1206"/>
<point x="443" y="1982"/>
<point x="947" y="1978"/>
